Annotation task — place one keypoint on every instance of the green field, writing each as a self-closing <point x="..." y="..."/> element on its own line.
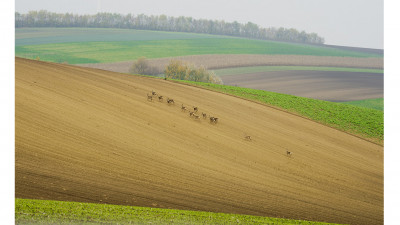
<point x="376" y="103"/>
<point x="29" y="211"/>
<point x="74" y="46"/>
<point x="38" y="36"/>
<point x="256" y="69"/>
<point x="365" y="122"/>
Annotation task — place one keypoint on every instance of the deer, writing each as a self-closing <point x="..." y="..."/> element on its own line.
<point x="195" y="108"/>
<point x="204" y="115"/>
<point x="183" y="108"/>
<point x="213" y="119"/>
<point x="170" y="101"/>
<point x="288" y="153"/>
<point x="248" y="138"/>
<point x="149" y="97"/>
<point x="153" y="92"/>
<point x="192" y="114"/>
<point x="160" y="98"/>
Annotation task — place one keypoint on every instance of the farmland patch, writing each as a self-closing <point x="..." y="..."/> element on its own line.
<point x="115" y="51"/>
<point x="333" y="86"/>
<point x="38" y="36"/>
<point x="258" y="69"/>
<point x="241" y="63"/>
<point x="92" y="136"/>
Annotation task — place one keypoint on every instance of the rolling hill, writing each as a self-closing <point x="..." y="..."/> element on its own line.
<point x="89" y="135"/>
<point x="96" y="45"/>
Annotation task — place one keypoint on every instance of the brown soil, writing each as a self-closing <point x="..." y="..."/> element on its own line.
<point x="324" y="85"/>
<point x="92" y="136"/>
<point x="238" y="60"/>
<point x="358" y="49"/>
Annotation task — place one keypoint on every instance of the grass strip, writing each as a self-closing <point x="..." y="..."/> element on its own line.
<point x="29" y="211"/>
<point x="360" y="121"/>
<point x="376" y="103"/>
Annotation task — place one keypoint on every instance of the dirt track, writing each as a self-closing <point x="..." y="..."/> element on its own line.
<point x="324" y="85"/>
<point x="89" y="135"/>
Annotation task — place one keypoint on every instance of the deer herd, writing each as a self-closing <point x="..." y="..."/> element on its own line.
<point x="193" y="114"/>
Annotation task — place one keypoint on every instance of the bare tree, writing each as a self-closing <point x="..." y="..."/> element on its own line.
<point x="141" y="66"/>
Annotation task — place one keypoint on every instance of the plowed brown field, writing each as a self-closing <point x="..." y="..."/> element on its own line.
<point x="92" y="136"/>
<point x="324" y="85"/>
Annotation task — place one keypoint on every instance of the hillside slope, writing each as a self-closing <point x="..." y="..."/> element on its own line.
<point x="90" y="135"/>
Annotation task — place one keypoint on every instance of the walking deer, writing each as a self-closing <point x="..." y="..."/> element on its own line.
<point x="213" y="119"/>
<point x="183" y="108"/>
<point x="170" y="101"/>
<point x="149" y="97"/>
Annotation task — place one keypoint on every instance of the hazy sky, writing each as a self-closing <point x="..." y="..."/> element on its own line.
<point x="341" y="22"/>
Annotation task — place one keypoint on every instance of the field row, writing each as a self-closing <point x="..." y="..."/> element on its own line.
<point x="334" y="86"/>
<point x="259" y="62"/>
<point x="257" y="69"/>
<point x="38" y="36"/>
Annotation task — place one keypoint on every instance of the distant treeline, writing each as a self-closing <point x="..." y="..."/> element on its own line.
<point x="44" y="18"/>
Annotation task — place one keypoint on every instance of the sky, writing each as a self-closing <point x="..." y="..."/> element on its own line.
<point x="357" y="23"/>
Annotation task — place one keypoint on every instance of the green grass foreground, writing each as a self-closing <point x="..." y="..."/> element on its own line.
<point x="257" y="69"/>
<point x="376" y="103"/>
<point x="28" y="211"/>
<point x="361" y="121"/>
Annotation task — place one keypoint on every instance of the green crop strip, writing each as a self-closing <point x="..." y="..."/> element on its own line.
<point x="365" y="122"/>
<point x="376" y="103"/>
<point x="29" y="211"/>
<point x="116" y="51"/>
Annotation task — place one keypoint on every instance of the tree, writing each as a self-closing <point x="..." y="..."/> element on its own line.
<point x="183" y="71"/>
<point x="141" y="66"/>
<point x="176" y="70"/>
<point x="44" y="18"/>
